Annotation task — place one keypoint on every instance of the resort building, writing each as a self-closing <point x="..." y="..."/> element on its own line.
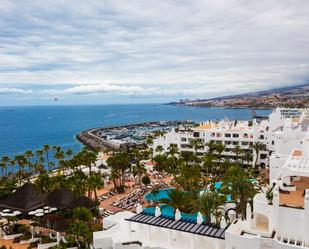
<point x="286" y="132"/>
<point x="280" y="217"/>
<point x="232" y="134"/>
<point x="283" y="130"/>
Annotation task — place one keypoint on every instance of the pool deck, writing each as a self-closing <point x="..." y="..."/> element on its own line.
<point x="131" y="186"/>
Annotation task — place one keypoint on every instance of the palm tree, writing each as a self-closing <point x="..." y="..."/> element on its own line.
<point x="173" y="150"/>
<point x="237" y="151"/>
<point x="78" y="183"/>
<point x="46" y="148"/>
<point x="236" y="183"/>
<point x="196" y="144"/>
<point x="69" y="153"/>
<point x="257" y="147"/>
<point x="39" y="160"/>
<point x="160" y="160"/>
<point x="94" y="182"/>
<point x="44" y="183"/>
<point x="119" y="164"/>
<point x="219" y="148"/>
<point x="82" y="214"/>
<point x="59" y="156"/>
<point x="21" y="162"/>
<point x="208" y="166"/>
<point x="159" y="149"/>
<point x="2" y="166"/>
<point x="138" y="169"/>
<point x="188" y="176"/>
<point x="80" y="233"/>
<point x="208" y="203"/>
<point x="12" y="164"/>
<point x="28" y="154"/>
<point x="178" y="200"/>
<point x="5" y="160"/>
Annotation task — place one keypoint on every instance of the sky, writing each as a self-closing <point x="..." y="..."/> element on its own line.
<point x="120" y="51"/>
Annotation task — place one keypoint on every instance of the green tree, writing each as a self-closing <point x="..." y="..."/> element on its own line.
<point x="159" y="149"/>
<point x="196" y="144"/>
<point x="208" y="203"/>
<point x="46" y="149"/>
<point x="82" y="214"/>
<point x="257" y="147"/>
<point x="5" y="161"/>
<point x="119" y="163"/>
<point x="146" y="180"/>
<point x="238" y="184"/>
<point x="94" y="183"/>
<point x="178" y="200"/>
<point x="81" y="233"/>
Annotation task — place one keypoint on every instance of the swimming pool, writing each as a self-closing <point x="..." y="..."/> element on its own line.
<point x="169" y="212"/>
<point x="163" y="193"/>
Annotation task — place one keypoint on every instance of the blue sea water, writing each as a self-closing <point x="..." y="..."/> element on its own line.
<point x="23" y="128"/>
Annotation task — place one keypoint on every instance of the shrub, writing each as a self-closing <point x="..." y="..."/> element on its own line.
<point x="146" y="180"/>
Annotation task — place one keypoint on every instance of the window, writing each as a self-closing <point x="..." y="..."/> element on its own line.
<point x="244" y="143"/>
<point x="183" y="139"/>
<point x="235" y="135"/>
<point x="263" y="156"/>
<point x="235" y="143"/>
<point x="196" y="134"/>
<point x="227" y="135"/>
<point x="273" y="142"/>
<point x="213" y="134"/>
<point x="262" y="137"/>
<point x="227" y="142"/>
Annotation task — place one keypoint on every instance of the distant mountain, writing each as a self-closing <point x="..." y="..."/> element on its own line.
<point x="292" y="96"/>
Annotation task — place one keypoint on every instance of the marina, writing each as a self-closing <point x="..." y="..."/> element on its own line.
<point x="123" y="137"/>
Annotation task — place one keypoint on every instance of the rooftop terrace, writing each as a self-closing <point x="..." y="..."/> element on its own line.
<point x="295" y="198"/>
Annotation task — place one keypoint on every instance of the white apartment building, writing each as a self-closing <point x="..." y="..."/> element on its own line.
<point x="284" y="221"/>
<point x="285" y="133"/>
<point x="230" y="133"/>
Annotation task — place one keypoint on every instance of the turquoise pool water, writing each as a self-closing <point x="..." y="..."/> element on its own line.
<point x="163" y="193"/>
<point x="169" y="212"/>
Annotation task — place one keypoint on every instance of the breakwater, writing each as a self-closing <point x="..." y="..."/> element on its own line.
<point x="124" y="136"/>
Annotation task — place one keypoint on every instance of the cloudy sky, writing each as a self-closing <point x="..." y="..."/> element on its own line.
<point x="93" y="52"/>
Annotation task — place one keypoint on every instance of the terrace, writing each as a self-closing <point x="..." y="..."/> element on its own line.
<point x="295" y="198"/>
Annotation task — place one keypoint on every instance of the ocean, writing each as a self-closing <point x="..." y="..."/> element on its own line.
<point x="29" y="128"/>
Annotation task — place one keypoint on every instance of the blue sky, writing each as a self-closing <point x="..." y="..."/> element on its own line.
<point x="93" y="52"/>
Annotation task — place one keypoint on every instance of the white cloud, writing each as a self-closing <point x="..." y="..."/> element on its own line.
<point x="196" y="48"/>
<point x="9" y="91"/>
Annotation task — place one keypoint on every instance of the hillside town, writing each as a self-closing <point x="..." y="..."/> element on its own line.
<point x="287" y="97"/>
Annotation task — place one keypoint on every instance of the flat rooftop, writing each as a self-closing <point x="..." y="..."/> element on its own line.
<point x="179" y="225"/>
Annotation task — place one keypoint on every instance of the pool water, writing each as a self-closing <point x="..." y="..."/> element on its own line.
<point x="163" y="193"/>
<point x="168" y="210"/>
